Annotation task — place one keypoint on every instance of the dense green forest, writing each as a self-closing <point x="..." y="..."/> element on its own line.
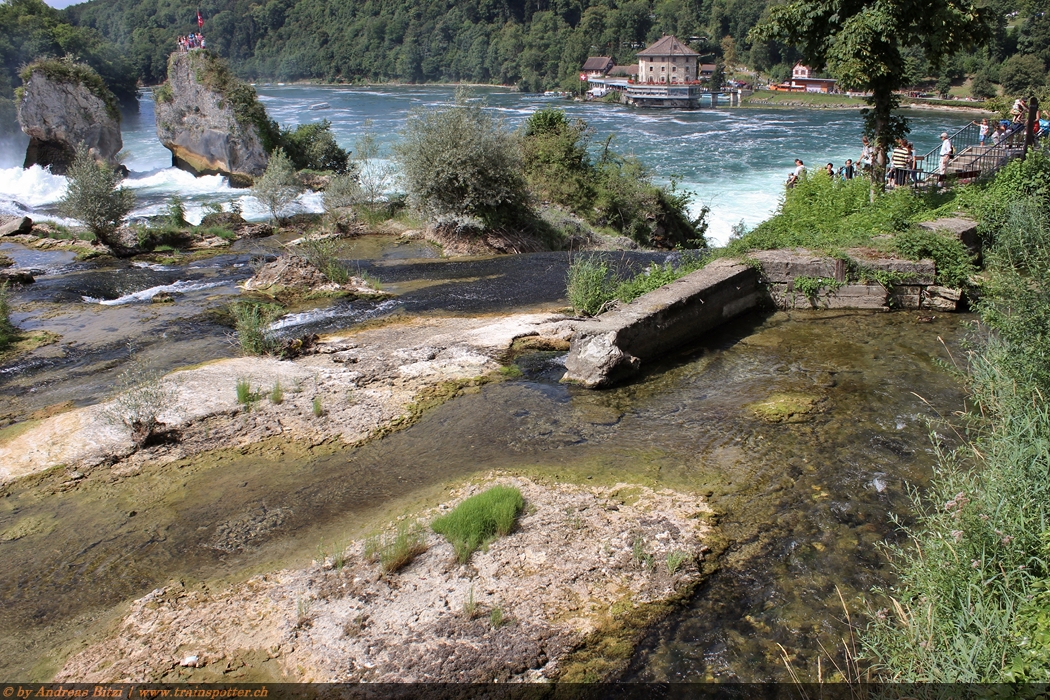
<point x="533" y="44"/>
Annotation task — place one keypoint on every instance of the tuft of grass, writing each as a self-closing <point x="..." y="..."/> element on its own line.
<point x="397" y="551"/>
<point x="321" y="253"/>
<point x="675" y="560"/>
<point x="496" y="617"/>
<point x="470" y="606"/>
<point x="253" y="320"/>
<point x="480" y="519"/>
<point x="245" y="396"/>
<point x="589" y="286"/>
<point x="277" y="393"/>
<point x="317" y="408"/>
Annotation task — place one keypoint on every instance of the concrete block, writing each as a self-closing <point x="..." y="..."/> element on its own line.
<point x="780" y="266"/>
<point x="962" y="228"/>
<point x="922" y="272"/>
<point x="942" y="298"/>
<point x="613" y="346"/>
<point x="855" y="296"/>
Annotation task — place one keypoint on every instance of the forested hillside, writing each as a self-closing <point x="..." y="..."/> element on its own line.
<point x="534" y="44"/>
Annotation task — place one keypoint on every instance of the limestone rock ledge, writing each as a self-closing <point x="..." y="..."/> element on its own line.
<point x="204" y="119"/>
<point x="64" y="105"/>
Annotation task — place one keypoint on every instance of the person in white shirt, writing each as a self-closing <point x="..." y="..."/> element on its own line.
<point x="947" y="151"/>
<point x="794" y="176"/>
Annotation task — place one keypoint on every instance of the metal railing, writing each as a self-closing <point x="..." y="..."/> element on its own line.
<point x="972" y="159"/>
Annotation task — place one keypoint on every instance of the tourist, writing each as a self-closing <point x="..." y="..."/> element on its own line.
<point x="1019" y="112"/>
<point x="865" y="154"/>
<point x="830" y="170"/>
<point x="899" y="163"/>
<point x="983" y="132"/>
<point x="947" y="152"/>
<point x="796" y="175"/>
<point x="911" y="162"/>
<point x="847" y="171"/>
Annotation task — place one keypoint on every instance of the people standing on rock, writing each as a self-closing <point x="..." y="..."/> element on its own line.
<point x="800" y="168"/>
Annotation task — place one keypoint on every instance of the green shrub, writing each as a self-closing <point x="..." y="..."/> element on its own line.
<point x="954" y="262"/>
<point x="321" y="253"/>
<point x="94" y="198"/>
<point x="245" y="396"/>
<point x="656" y="276"/>
<point x="457" y="161"/>
<point x="8" y="332"/>
<point x="163" y="93"/>
<point x="589" y="286"/>
<point x="616" y="191"/>
<point x="317" y="408"/>
<point x="278" y="187"/>
<point x="480" y="519"/>
<point x="341" y="191"/>
<point x="277" y="393"/>
<point x="313" y="147"/>
<point x="253" y="320"/>
<point x="175" y="213"/>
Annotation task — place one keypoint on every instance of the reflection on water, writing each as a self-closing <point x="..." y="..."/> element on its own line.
<point x="803" y="504"/>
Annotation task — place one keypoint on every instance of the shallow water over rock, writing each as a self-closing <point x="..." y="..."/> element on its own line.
<point x="803" y="503"/>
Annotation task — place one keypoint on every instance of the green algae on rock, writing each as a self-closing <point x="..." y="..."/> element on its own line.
<point x="787" y="407"/>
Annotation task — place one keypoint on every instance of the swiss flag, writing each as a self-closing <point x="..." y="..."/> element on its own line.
<point x="200" y="20"/>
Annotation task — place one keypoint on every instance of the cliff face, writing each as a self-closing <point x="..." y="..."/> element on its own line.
<point x="63" y="105"/>
<point x="211" y="122"/>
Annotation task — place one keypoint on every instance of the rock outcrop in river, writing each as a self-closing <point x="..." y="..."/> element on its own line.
<point x="62" y="105"/>
<point x="211" y="122"/>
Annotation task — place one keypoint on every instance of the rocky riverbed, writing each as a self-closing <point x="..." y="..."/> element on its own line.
<point x="582" y="563"/>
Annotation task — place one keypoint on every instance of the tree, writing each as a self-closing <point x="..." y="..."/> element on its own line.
<point x="982" y="87"/>
<point x="94" y="199"/>
<point x="278" y="187"/>
<point x="375" y="175"/>
<point x="460" y="162"/>
<point x="1022" y="75"/>
<point x="863" y="45"/>
<point x="729" y="55"/>
<point x="944" y="85"/>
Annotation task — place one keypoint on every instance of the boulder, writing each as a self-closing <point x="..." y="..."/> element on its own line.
<point x="17" y="226"/>
<point x="211" y="122"/>
<point x="64" y="105"/>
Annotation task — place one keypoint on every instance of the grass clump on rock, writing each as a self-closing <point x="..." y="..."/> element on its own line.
<point x="397" y="551"/>
<point x="253" y="321"/>
<point x="480" y="519"/>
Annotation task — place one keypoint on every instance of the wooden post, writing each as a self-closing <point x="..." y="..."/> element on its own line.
<point x="1029" y="126"/>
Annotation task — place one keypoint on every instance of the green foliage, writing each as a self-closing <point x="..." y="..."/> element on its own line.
<point x="656" y="276"/>
<point x="8" y="331"/>
<point x="163" y="93"/>
<point x="675" y="560"/>
<point x="253" y="320"/>
<point x="65" y="70"/>
<point x="277" y="393"/>
<point x="616" y="191"/>
<point x="589" y="287"/>
<point x="811" y="287"/>
<point x="321" y="253"/>
<point x="141" y="396"/>
<point x="457" y="161"/>
<point x="1023" y="75"/>
<point x="341" y="191"/>
<point x="829" y="215"/>
<point x="278" y="187"/>
<point x="496" y="617"/>
<point x="981" y="86"/>
<point x="971" y="602"/>
<point x="397" y="551"/>
<point x="175" y="214"/>
<point x="32" y="32"/>
<point x="316" y="407"/>
<point x="374" y="175"/>
<point x="479" y="519"/>
<point x="94" y="198"/>
<point x="864" y="45"/>
<point x="954" y="262"/>
<point x="313" y="147"/>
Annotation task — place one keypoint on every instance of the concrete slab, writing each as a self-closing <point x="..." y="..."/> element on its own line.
<point x="779" y="266"/>
<point x="614" y="346"/>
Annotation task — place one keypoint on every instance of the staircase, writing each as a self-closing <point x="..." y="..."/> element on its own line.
<point x="972" y="160"/>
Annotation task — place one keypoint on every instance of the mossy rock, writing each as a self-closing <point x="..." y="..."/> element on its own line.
<point x="787" y="407"/>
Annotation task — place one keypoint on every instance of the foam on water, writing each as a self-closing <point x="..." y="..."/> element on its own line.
<point x="179" y="287"/>
<point x="31" y="187"/>
<point x="347" y="313"/>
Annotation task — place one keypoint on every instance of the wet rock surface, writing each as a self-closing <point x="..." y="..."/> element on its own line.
<point x="59" y="115"/>
<point x="295" y="273"/>
<point x="577" y="556"/>
<point x="199" y="126"/>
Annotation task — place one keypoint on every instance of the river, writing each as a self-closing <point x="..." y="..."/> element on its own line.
<point x="804" y="506"/>
<point x="733" y="160"/>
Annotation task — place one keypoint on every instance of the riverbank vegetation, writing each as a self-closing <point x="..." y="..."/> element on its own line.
<point x="973" y="601"/>
<point x="95" y="197"/>
<point x="480" y="519"/>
